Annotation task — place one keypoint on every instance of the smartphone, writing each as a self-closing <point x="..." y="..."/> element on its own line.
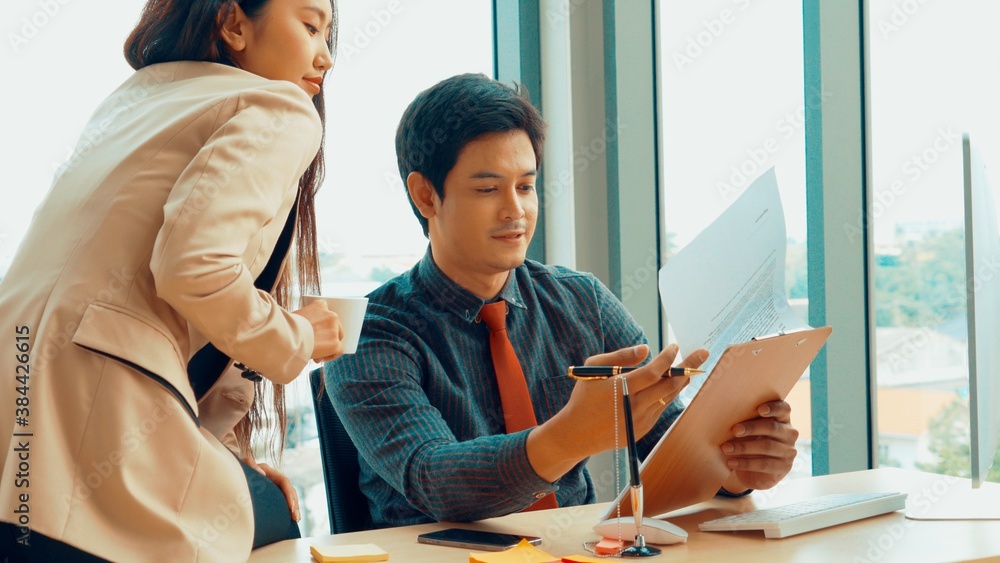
<point x="475" y="539"/>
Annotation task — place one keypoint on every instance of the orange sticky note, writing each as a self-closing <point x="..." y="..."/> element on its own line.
<point x="582" y="559"/>
<point x="356" y="553"/>
<point x="523" y="552"/>
<point x="608" y="546"/>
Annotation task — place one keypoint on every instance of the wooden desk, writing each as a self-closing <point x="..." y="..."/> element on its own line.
<point x="890" y="537"/>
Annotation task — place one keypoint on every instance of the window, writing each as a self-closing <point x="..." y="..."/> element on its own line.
<point x="732" y="107"/>
<point x="60" y="61"/>
<point x="389" y="51"/>
<point x="933" y="69"/>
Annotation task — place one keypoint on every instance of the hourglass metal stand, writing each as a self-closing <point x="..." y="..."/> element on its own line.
<point x="638" y="547"/>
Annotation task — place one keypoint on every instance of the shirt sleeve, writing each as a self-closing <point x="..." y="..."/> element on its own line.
<point x="621" y="331"/>
<point x="378" y="395"/>
<point x="236" y="184"/>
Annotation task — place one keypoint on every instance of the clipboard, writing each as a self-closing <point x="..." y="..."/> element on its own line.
<point x="687" y="466"/>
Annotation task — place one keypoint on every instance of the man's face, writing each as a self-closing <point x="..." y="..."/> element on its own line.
<point x="487" y="218"/>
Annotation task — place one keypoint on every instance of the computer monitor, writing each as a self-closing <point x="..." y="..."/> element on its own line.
<point x="982" y="268"/>
<point x="954" y="500"/>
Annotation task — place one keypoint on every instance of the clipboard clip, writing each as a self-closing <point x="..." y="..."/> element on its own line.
<point x="781" y="333"/>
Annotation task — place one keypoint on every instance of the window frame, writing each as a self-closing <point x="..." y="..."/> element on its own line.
<point x="837" y="179"/>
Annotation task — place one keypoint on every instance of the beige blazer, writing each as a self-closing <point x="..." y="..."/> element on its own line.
<point x="145" y="249"/>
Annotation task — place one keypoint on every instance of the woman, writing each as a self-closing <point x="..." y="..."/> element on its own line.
<point x="155" y="262"/>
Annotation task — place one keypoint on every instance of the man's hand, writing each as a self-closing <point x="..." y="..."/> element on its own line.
<point x="649" y="391"/>
<point x="586" y="425"/>
<point x="762" y="449"/>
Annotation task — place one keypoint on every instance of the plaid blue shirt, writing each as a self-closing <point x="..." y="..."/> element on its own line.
<point x="420" y="398"/>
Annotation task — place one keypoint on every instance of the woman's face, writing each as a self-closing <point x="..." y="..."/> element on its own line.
<point x="287" y="40"/>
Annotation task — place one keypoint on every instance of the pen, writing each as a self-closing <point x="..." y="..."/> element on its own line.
<point x="604" y="372"/>
<point x="638" y="547"/>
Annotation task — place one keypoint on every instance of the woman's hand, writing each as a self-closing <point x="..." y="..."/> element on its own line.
<point x="327" y="330"/>
<point x="283" y="483"/>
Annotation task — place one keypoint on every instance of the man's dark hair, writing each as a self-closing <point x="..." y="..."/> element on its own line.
<point x="447" y="116"/>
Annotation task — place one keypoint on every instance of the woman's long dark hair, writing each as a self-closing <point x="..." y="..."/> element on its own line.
<point x="190" y="30"/>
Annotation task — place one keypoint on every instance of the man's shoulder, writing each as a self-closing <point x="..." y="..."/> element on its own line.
<point x="395" y="294"/>
<point x="550" y="273"/>
<point x="557" y="283"/>
<point x="391" y="321"/>
<point x="563" y="287"/>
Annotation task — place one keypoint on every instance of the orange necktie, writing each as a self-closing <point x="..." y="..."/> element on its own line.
<point x="518" y="414"/>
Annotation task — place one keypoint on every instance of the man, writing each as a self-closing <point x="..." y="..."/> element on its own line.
<point x="427" y="397"/>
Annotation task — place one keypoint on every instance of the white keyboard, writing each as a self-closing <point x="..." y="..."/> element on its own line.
<point x="809" y="515"/>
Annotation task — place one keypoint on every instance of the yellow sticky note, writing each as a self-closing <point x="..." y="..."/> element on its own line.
<point x="355" y="553"/>
<point x="523" y="552"/>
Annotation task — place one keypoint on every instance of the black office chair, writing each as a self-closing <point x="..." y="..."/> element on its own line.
<point x="348" y="505"/>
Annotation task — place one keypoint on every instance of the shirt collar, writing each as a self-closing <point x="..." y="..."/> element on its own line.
<point x="449" y="296"/>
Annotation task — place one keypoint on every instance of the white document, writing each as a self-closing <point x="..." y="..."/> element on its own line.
<point x="728" y="284"/>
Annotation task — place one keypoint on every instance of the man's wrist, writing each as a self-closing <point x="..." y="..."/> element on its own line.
<point x="548" y="455"/>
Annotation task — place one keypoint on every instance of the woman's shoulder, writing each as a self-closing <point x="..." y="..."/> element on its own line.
<point x="206" y="79"/>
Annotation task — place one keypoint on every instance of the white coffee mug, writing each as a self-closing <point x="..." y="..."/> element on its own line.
<point x="351" y="311"/>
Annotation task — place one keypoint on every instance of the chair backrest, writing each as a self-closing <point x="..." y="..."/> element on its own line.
<point x="348" y="505"/>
